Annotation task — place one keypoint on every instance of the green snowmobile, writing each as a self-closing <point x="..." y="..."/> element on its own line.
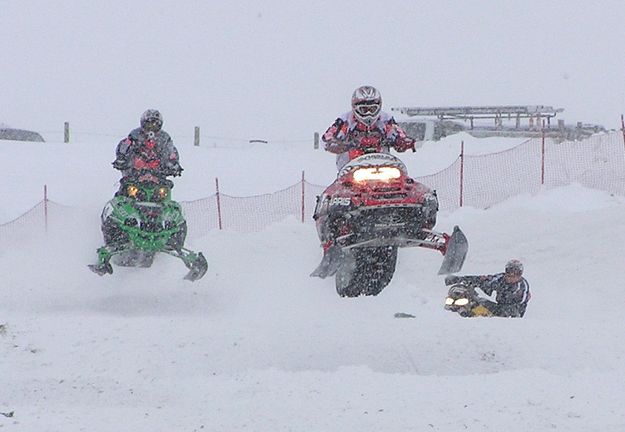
<point x="142" y="220"/>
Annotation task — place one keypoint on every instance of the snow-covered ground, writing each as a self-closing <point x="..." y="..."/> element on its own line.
<point x="259" y="345"/>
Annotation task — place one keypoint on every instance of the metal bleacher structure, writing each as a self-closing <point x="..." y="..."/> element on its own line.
<point x="434" y="123"/>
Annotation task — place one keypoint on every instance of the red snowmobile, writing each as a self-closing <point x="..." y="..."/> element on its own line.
<point x="372" y="209"/>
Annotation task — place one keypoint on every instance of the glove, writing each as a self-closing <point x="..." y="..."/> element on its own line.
<point x="339" y="146"/>
<point x="405" y="144"/>
<point x="452" y="279"/>
<point x="120" y="164"/>
<point x="173" y="170"/>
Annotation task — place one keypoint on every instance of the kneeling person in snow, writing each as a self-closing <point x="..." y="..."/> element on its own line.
<point x="513" y="291"/>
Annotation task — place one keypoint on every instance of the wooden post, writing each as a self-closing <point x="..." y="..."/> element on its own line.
<point x="303" y="197"/>
<point x="196" y="139"/>
<point x="218" y="203"/>
<point x="66" y="132"/>
<point x="623" y="128"/>
<point x="316" y="140"/>
<point x="542" y="157"/>
<point x="45" y="206"/>
<point x="461" y="173"/>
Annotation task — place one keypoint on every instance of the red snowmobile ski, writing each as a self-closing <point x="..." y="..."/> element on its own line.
<point x="372" y="209"/>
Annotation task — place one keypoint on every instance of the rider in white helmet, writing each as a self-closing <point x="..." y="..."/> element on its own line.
<point x="148" y="147"/>
<point x="365" y="128"/>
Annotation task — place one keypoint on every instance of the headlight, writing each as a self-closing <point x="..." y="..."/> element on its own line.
<point x="163" y="191"/>
<point x="449" y="301"/>
<point x="132" y="191"/>
<point x="378" y="173"/>
<point x="462" y="302"/>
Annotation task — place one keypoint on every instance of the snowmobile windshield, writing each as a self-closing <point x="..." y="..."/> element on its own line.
<point x="373" y="160"/>
<point x="459" y="291"/>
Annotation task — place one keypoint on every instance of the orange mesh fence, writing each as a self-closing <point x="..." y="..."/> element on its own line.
<point x="46" y="214"/>
<point x="597" y="163"/>
<point x="252" y="213"/>
<point x="31" y="222"/>
<point x="201" y="216"/>
<point x="446" y="183"/>
<point x="480" y="181"/>
<point x="492" y="178"/>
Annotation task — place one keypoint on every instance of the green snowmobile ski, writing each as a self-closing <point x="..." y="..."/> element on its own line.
<point x="141" y="221"/>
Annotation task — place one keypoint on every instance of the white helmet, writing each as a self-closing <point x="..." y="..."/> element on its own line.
<point x="366" y="104"/>
<point x="151" y="120"/>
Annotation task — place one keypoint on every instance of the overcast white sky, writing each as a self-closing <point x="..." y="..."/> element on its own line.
<point x="282" y="70"/>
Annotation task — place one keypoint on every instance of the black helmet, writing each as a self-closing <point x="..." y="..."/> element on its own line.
<point x="514" y="266"/>
<point x="151" y="120"/>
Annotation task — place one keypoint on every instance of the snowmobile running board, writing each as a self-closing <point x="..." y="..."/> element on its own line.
<point x="454" y="248"/>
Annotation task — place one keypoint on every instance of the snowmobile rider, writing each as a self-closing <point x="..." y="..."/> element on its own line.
<point x="513" y="291"/>
<point x="366" y="128"/>
<point x="148" y="148"/>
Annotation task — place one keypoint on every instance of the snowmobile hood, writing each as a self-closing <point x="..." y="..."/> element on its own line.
<point x="373" y="160"/>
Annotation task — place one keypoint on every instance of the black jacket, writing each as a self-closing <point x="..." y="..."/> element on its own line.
<point x="153" y="151"/>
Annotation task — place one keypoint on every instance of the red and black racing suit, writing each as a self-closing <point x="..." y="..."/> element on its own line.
<point x="347" y="134"/>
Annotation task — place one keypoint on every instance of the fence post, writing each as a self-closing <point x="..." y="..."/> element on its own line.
<point x="66" y="132"/>
<point x="196" y="138"/>
<point x="542" y="156"/>
<point x="218" y="203"/>
<point x="623" y="128"/>
<point x="45" y="206"/>
<point x="461" y="172"/>
<point x="303" y="197"/>
<point x="316" y="140"/>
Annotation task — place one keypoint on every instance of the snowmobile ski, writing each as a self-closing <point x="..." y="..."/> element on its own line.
<point x="456" y="252"/>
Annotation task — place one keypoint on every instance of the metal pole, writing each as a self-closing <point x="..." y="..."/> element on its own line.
<point x="316" y="140"/>
<point x="66" y="132"/>
<point x="218" y="203"/>
<point x="461" y="173"/>
<point x="542" y="158"/>
<point x="303" y="197"/>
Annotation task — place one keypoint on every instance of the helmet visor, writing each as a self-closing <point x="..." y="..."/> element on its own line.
<point x="152" y="125"/>
<point x="513" y="276"/>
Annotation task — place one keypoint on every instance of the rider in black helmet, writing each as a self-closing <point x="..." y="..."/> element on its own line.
<point x="148" y="147"/>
